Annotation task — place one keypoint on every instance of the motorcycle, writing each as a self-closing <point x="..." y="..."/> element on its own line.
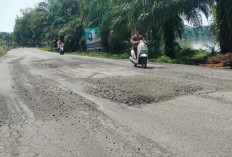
<point x="142" y="54"/>
<point x="61" y="50"/>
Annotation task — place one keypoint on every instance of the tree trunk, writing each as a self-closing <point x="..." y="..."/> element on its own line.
<point x="169" y="38"/>
<point x="156" y="37"/>
<point x="224" y="32"/>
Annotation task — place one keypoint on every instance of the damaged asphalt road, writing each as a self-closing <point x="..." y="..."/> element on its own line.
<point x="52" y="105"/>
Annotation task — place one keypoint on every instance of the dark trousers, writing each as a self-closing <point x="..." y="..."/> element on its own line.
<point x="135" y="50"/>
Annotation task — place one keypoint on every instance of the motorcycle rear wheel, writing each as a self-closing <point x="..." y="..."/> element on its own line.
<point x="144" y="62"/>
<point x="144" y="65"/>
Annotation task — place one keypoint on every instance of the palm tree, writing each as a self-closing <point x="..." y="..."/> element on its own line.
<point x="170" y="16"/>
<point x="160" y="20"/>
<point x="223" y="24"/>
<point x="119" y="17"/>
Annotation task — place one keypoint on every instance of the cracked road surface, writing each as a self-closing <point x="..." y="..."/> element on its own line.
<point x="61" y="106"/>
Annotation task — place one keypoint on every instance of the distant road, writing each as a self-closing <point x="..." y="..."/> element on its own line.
<point x="52" y="105"/>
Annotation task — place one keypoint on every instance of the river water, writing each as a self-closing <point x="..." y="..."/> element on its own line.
<point x="200" y="43"/>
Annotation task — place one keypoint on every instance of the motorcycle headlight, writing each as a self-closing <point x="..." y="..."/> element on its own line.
<point x="143" y="48"/>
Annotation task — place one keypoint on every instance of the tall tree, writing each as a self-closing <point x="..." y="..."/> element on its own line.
<point x="170" y="14"/>
<point x="223" y="24"/>
<point x="160" y="20"/>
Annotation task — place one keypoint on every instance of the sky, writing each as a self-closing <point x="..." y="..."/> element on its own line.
<point x="9" y="9"/>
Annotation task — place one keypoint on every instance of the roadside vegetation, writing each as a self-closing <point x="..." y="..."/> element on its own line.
<point x="185" y="55"/>
<point x="5" y="43"/>
<point x="160" y="21"/>
<point x="97" y="54"/>
<point x="3" y="50"/>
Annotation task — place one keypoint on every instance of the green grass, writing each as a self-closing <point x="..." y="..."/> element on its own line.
<point x="194" y="60"/>
<point x="101" y="55"/>
<point x="47" y="49"/>
<point x="186" y="56"/>
<point x="94" y="54"/>
<point x="3" y="50"/>
<point x="162" y="59"/>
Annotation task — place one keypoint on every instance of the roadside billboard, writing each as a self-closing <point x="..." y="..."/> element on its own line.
<point x="93" y="38"/>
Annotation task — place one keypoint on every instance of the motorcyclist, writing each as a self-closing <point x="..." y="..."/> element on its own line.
<point x="135" y="40"/>
<point x="61" y="47"/>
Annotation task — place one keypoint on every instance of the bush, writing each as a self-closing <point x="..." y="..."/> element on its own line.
<point x="164" y="59"/>
<point x="190" y="56"/>
<point x="186" y="55"/>
<point x="3" y="50"/>
<point x="186" y="51"/>
<point x="200" y="55"/>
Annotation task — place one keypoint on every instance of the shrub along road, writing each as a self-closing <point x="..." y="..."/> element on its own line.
<point x="52" y="105"/>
